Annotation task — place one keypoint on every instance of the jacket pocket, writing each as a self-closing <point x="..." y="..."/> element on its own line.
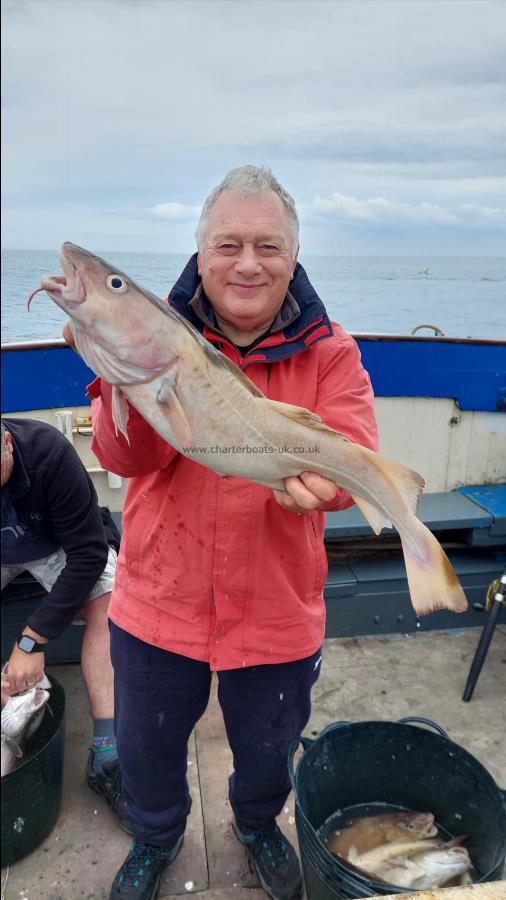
<point x="320" y="566"/>
<point x="135" y="538"/>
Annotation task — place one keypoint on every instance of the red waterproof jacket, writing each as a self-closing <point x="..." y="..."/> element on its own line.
<point x="213" y="568"/>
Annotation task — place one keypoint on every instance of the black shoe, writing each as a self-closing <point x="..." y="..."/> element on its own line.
<point x="275" y="861"/>
<point x="107" y="783"/>
<point x="139" y="875"/>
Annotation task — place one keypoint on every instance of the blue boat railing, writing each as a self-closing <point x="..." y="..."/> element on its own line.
<point x="48" y="374"/>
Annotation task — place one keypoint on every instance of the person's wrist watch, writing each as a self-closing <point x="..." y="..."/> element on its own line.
<point x="29" y="644"/>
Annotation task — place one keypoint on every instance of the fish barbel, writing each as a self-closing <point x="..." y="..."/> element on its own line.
<point x="18" y="720"/>
<point x="370" y="832"/>
<point x="198" y="401"/>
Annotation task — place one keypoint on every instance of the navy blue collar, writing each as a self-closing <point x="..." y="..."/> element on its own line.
<point x="313" y="323"/>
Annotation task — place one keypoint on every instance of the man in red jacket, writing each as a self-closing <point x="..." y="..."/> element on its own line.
<point x="218" y="574"/>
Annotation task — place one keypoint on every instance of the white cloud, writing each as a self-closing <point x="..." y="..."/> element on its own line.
<point x="381" y="209"/>
<point x="176" y="212"/>
<point x="402" y="103"/>
<point x="486" y="215"/>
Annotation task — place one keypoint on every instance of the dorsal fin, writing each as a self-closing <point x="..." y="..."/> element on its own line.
<point x="301" y="415"/>
<point x="217" y="358"/>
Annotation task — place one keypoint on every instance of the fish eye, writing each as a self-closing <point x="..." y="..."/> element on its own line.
<point x="116" y="283"/>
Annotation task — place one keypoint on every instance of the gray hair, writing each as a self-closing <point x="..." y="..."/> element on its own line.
<point x="249" y="181"/>
<point x="3" y="433"/>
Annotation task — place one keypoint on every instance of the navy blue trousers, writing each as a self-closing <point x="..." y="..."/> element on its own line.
<point x="159" y="697"/>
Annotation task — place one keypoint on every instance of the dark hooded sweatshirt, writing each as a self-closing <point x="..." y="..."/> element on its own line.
<point x="52" y="503"/>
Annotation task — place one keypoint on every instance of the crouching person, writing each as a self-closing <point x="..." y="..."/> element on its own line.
<point x="52" y="527"/>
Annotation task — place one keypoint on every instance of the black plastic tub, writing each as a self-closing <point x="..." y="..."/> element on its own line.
<point x="31" y="793"/>
<point x="403" y="766"/>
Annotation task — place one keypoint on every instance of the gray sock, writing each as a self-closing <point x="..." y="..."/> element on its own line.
<point x="104" y="743"/>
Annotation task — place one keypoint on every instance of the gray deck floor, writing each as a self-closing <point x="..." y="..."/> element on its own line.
<point x="367" y="678"/>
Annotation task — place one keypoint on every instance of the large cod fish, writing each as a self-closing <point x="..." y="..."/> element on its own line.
<point x="197" y="399"/>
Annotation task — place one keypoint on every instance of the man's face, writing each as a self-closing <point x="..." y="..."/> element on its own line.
<point x="7" y="459"/>
<point x="247" y="259"/>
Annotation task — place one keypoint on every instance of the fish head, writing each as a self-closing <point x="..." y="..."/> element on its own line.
<point x="445" y="863"/>
<point x="415" y="824"/>
<point x="108" y="306"/>
<point x="92" y="291"/>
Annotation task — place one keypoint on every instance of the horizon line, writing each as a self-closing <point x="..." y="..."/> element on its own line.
<point x="301" y="253"/>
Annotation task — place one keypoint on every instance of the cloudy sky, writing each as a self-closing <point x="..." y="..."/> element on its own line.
<point x="385" y="119"/>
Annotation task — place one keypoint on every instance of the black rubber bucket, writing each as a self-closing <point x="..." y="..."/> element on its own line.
<point x="31" y="793"/>
<point x="402" y="766"/>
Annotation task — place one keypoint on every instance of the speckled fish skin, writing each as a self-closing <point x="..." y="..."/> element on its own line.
<point x="196" y="398"/>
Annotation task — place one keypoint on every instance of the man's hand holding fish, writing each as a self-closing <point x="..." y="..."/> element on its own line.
<point x="26" y="669"/>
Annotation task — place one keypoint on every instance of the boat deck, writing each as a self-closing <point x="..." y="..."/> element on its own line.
<point x="362" y="678"/>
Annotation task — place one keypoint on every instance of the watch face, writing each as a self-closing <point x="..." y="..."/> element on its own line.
<point x="26" y="643"/>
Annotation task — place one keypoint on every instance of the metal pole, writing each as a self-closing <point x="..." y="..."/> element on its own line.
<point x="484" y="642"/>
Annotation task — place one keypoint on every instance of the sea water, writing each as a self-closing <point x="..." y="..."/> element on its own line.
<point x="462" y="296"/>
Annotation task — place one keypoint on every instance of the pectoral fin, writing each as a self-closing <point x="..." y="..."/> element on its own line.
<point x="120" y="413"/>
<point x="13" y="746"/>
<point x="174" y="412"/>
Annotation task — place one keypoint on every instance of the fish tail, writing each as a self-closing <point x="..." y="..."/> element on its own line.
<point x="433" y="583"/>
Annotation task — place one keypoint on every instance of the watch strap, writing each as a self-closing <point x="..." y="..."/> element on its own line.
<point x="34" y="646"/>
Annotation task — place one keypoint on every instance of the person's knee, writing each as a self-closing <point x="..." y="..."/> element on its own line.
<point x="96" y="610"/>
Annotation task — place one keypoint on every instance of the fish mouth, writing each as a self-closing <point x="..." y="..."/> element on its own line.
<point x="66" y="290"/>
